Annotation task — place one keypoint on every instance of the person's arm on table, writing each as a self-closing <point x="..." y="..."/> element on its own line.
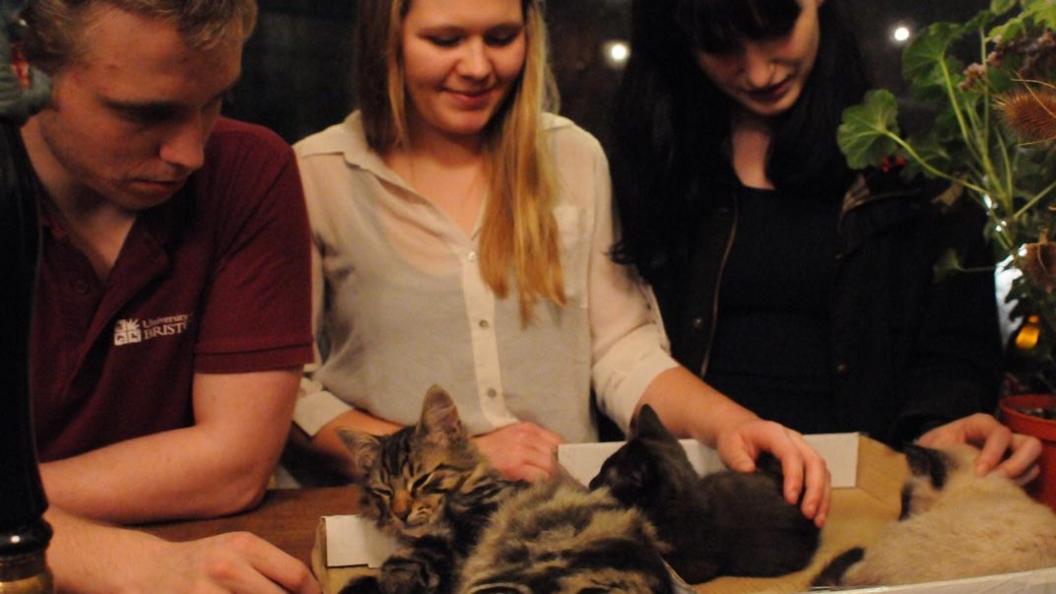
<point x="220" y="465"/>
<point x="86" y="558"/>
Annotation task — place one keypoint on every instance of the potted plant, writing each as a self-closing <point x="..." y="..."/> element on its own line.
<point x="988" y="85"/>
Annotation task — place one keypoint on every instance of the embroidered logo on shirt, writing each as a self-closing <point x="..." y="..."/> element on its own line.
<point x="132" y="331"/>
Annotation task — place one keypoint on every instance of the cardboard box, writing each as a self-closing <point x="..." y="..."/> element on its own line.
<point x="867" y="479"/>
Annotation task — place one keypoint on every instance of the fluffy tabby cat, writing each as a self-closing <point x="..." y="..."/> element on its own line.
<point x="724" y="523"/>
<point x="429" y="487"/>
<point x="954" y="524"/>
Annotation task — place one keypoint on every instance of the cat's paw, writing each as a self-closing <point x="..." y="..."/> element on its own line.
<point x="362" y="585"/>
<point x="403" y="577"/>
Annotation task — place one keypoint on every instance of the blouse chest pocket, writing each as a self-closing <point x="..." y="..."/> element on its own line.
<point x="574" y="233"/>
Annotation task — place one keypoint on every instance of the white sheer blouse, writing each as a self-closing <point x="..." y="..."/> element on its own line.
<point x="399" y="303"/>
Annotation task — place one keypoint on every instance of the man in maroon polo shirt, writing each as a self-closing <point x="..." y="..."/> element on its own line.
<point x="172" y="313"/>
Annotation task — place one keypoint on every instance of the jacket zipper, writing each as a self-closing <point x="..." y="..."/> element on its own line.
<point x="718" y="285"/>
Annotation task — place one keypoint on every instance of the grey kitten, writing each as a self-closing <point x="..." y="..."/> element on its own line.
<point x="724" y="523"/>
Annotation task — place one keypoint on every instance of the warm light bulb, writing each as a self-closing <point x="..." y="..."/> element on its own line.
<point x="900" y="34"/>
<point x="616" y="53"/>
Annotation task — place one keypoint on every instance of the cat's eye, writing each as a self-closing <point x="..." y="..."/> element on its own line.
<point x="501" y="588"/>
<point x="420" y="481"/>
<point x="381" y="490"/>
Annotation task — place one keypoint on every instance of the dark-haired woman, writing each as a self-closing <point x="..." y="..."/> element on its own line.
<point x="797" y="287"/>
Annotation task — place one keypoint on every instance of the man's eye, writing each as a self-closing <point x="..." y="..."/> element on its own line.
<point x="145" y="115"/>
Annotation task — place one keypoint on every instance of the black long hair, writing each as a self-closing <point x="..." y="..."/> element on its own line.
<point x="672" y="125"/>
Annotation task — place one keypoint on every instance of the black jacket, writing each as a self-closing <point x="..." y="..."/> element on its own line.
<point x="909" y="351"/>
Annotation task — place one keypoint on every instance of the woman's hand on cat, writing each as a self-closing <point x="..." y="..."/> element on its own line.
<point x="996" y="442"/>
<point x="521" y="451"/>
<point x="804" y="469"/>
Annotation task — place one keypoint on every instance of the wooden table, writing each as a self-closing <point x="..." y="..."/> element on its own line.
<point x="287" y="518"/>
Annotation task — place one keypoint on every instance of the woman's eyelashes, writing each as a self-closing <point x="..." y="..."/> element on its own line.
<point x="497" y="38"/>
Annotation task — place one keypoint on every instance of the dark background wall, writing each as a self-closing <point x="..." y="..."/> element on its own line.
<point x="297" y="69"/>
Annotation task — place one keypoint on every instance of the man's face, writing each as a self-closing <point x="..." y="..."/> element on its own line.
<point x="131" y="113"/>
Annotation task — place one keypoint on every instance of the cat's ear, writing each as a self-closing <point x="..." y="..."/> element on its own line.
<point x="365" y="449"/>
<point x="440" y="424"/>
<point x="647" y="424"/>
<point x="926" y="462"/>
<point x="629" y="473"/>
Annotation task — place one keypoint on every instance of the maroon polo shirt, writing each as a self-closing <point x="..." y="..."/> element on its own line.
<point x="215" y="280"/>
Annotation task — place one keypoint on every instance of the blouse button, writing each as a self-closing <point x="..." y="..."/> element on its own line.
<point x="484" y="324"/>
<point x="80" y="287"/>
<point x="492" y="393"/>
<point x="842" y="368"/>
<point x="471" y="256"/>
<point x="698" y="324"/>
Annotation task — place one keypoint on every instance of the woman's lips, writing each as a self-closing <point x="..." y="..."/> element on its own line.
<point x="772" y="93"/>
<point x="471" y="99"/>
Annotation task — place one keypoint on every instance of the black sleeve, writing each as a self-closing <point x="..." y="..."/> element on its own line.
<point x="955" y="369"/>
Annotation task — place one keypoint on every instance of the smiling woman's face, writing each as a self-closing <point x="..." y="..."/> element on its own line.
<point x="460" y="60"/>
<point x="766" y="77"/>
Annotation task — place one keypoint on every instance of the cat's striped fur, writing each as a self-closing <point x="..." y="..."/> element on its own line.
<point x="462" y="528"/>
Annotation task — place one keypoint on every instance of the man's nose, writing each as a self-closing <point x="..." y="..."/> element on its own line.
<point x="185" y="144"/>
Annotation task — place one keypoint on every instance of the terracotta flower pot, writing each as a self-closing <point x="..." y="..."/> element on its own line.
<point x="1012" y="415"/>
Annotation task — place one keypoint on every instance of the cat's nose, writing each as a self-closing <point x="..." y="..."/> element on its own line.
<point x="401" y="504"/>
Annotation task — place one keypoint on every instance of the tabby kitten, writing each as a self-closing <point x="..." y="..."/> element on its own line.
<point x="954" y="524"/>
<point x="429" y="487"/>
<point x="724" y="523"/>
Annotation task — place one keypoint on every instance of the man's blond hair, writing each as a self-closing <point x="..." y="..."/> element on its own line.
<point x="53" y="38"/>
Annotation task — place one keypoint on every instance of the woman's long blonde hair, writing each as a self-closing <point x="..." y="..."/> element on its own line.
<point x="519" y="235"/>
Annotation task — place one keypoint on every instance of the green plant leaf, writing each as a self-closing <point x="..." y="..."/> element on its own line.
<point x="864" y="131"/>
<point x="925" y="61"/>
<point x="930" y="147"/>
<point x="1041" y="12"/>
<point x="1013" y="28"/>
<point x="1002" y="6"/>
<point x="947" y="265"/>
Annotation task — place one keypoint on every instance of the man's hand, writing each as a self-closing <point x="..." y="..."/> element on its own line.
<point x="995" y="440"/>
<point x="233" y="562"/>
<point x="521" y="451"/>
<point x="88" y="558"/>
<point x="741" y="444"/>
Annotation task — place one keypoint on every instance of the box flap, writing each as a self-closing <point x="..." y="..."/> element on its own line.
<point x="353" y="540"/>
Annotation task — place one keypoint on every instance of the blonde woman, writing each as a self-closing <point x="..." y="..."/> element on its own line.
<point x="462" y="237"/>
